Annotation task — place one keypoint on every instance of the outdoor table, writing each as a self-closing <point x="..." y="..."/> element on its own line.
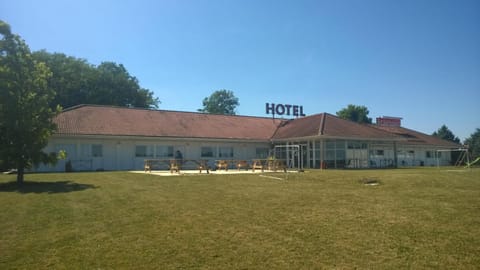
<point x="269" y="164"/>
<point x="176" y="164"/>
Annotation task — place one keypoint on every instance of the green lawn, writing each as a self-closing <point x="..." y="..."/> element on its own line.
<point x="415" y="218"/>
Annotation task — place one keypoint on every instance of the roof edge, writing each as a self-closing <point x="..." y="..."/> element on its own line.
<point x="159" y="110"/>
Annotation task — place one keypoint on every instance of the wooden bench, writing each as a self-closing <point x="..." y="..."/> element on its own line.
<point x="222" y="164"/>
<point x="258" y="164"/>
<point x="279" y="164"/>
<point x="175" y="165"/>
<point x="150" y="164"/>
<point x="147" y="167"/>
<point x="241" y="164"/>
<point x="201" y="164"/>
<point x="269" y="164"/>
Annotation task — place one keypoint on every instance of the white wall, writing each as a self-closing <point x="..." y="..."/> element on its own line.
<point x="416" y="155"/>
<point x="119" y="153"/>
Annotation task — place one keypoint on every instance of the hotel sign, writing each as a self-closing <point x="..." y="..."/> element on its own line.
<point x="284" y="109"/>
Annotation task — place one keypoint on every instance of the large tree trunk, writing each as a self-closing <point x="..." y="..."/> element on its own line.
<point x="20" y="173"/>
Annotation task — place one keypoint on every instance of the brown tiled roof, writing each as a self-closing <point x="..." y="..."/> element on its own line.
<point x="104" y="120"/>
<point x="325" y="124"/>
<point x="417" y="138"/>
<point x="117" y="121"/>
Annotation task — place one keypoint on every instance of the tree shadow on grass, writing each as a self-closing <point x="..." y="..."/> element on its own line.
<point x="44" y="187"/>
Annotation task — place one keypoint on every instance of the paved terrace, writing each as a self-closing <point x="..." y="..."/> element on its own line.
<point x="196" y="172"/>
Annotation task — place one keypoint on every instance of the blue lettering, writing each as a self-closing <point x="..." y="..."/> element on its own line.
<point x="295" y="110"/>
<point x="288" y="108"/>
<point x="284" y="109"/>
<point x="280" y="109"/>
<point x="270" y="108"/>
<point x="301" y="111"/>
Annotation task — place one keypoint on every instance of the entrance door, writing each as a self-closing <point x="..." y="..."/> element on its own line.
<point x="97" y="157"/>
<point x="294" y="154"/>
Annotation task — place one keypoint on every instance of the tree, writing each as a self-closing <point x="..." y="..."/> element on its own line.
<point x="25" y="115"/>
<point x="71" y="79"/>
<point x="473" y="143"/>
<point x="355" y="113"/>
<point x="113" y="85"/>
<point x="75" y="82"/>
<point x="220" y="102"/>
<point x="446" y="134"/>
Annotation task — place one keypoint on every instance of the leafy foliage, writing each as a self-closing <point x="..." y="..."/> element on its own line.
<point x="446" y="134"/>
<point x="220" y="102"/>
<point x="75" y="82"/>
<point x="355" y="113"/>
<point x="473" y="143"/>
<point x="25" y="114"/>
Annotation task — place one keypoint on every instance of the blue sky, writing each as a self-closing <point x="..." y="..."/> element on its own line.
<point x="415" y="59"/>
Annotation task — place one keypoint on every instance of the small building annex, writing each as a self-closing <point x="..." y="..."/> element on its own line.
<point x="113" y="138"/>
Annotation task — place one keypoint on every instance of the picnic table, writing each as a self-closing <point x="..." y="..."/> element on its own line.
<point x="269" y="164"/>
<point x="226" y="163"/>
<point x="176" y="164"/>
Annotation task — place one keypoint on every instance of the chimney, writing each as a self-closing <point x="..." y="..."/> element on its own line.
<point x="389" y="121"/>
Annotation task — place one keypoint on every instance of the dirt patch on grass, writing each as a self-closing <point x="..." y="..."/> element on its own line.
<point x="370" y="181"/>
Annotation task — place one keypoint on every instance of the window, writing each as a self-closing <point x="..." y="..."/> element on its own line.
<point x="143" y="151"/>
<point x="97" y="150"/>
<point x="330" y="155"/>
<point x="340" y="144"/>
<point x="91" y="150"/>
<point x="330" y="144"/>
<point x="356" y="145"/>
<point x="428" y="154"/>
<point x="350" y="145"/>
<point x="225" y="152"/>
<point x="140" y="151"/>
<point x="207" y="151"/>
<point x="261" y="152"/>
<point x="379" y="152"/>
<point x="164" y="151"/>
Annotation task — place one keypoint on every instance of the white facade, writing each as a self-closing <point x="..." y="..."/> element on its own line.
<point x="110" y="153"/>
<point x="351" y="153"/>
<point x="98" y="153"/>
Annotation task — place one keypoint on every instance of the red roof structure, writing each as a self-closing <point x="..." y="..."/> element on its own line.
<point x="414" y="137"/>
<point x="118" y="121"/>
<point x="106" y="120"/>
<point x="327" y="125"/>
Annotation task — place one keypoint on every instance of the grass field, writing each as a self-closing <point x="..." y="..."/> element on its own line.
<point x="414" y="218"/>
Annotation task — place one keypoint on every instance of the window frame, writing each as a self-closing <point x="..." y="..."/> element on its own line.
<point x="97" y="150"/>
<point x="210" y="153"/>
<point x="229" y="153"/>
